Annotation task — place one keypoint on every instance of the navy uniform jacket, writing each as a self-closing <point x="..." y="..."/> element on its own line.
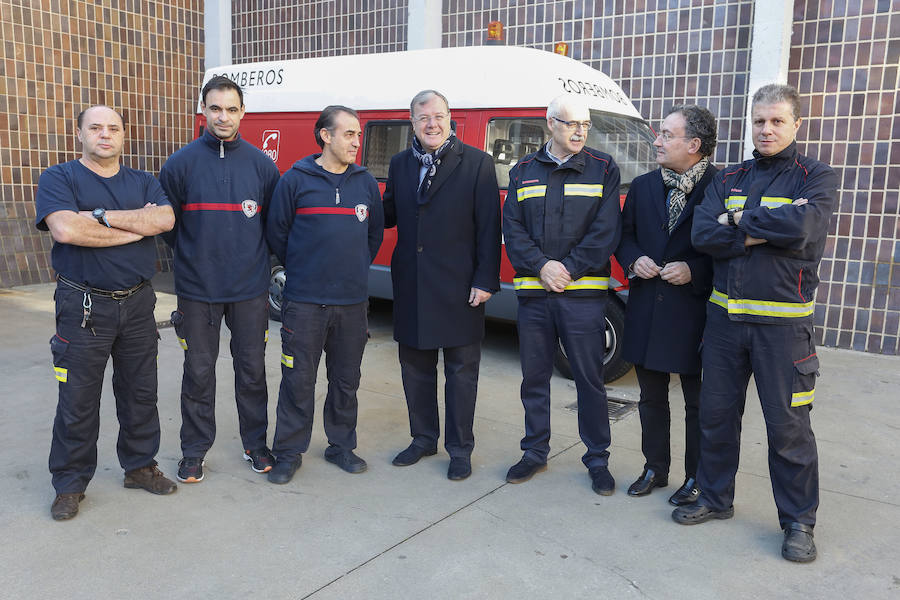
<point x="568" y="213"/>
<point x="663" y="322"/>
<point x="773" y="282"/>
<point x="219" y="191"/>
<point x="325" y="237"/>
<point x="445" y="246"/>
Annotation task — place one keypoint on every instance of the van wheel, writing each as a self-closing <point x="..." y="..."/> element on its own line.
<point x="276" y="291"/>
<point x="614" y="366"/>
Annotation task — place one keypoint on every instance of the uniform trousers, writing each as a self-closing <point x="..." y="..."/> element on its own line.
<point x="307" y="330"/>
<point x="656" y="420"/>
<point x="579" y="323"/>
<point x="198" y="326"/>
<point x="126" y="331"/>
<point x="418" y="368"/>
<point x="782" y="360"/>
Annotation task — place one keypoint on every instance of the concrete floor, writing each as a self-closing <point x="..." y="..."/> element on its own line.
<point x="409" y="532"/>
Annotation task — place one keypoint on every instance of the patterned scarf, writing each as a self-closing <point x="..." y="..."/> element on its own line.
<point x="430" y="160"/>
<point x="681" y="185"/>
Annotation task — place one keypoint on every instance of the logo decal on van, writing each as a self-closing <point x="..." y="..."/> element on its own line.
<point x="250" y="208"/>
<point x="362" y="211"/>
<point x="271" y="140"/>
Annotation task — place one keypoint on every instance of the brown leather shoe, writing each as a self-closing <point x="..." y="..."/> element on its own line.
<point x="65" y="506"/>
<point x="150" y="478"/>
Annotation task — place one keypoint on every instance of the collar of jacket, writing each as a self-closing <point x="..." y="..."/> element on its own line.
<point x="308" y="165"/>
<point x="214" y="142"/>
<point x="786" y="155"/>
<point x="576" y="161"/>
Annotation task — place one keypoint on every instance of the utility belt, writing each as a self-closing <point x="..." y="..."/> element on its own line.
<point x="87" y="303"/>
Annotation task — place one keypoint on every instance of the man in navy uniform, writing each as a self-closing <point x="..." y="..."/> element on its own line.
<point x="220" y="185"/>
<point x="325" y="226"/>
<point x="764" y="222"/>
<point x="561" y="223"/>
<point x="670" y="282"/>
<point x="103" y="216"/>
<point x="442" y="195"/>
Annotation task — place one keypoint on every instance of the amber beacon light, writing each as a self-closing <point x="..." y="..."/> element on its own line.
<point x="561" y="48"/>
<point x="495" y="33"/>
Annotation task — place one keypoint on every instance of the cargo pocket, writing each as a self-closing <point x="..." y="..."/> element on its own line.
<point x="287" y="359"/>
<point x="58" y="347"/>
<point x="806" y="369"/>
<point x="177" y="320"/>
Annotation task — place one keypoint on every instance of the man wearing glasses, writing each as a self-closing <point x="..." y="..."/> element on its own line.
<point x="561" y="223"/>
<point x="442" y="196"/>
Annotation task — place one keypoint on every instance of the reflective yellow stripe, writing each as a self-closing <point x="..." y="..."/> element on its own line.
<point x="287" y="361"/>
<point x="266" y="339"/>
<point x="762" y="308"/>
<point x="802" y="398"/>
<point x="585" y="283"/>
<point x="61" y="374"/>
<point x="735" y="202"/>
<point x="532" y="191"/>
<point x="773" y="202"/>
<point x="183" y="343"/>
<point x="594" y="190"/>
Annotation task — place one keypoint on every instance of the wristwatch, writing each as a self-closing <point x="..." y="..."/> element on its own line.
<point x="730" y="218"/>
<point x="100" y="215"/>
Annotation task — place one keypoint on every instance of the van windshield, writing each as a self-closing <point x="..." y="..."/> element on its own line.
<point x="629" y="141"/>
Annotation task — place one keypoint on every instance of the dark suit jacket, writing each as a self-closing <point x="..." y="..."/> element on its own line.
<point x="445" y="246"/>
<point x="663" y="322"/>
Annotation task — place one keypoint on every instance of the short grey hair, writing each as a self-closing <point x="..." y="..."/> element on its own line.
<point x="698" y="123"/>
<point x="774" y="93"/>
<point x="423" y="97"/>
<point x="573" y="103"/>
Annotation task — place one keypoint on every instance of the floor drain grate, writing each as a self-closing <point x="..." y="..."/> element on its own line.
<point x="618" y="408"/>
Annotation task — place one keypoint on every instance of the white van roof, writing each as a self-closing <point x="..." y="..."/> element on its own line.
<point x="470" y="77"/>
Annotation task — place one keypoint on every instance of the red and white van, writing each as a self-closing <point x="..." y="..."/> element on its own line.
<point x="498" y="97"/>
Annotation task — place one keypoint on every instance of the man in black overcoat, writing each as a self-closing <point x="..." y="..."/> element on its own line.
<point x="670" y="283"/>
<point x="443" y="198"/>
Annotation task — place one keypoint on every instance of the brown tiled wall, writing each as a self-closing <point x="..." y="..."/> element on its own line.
<point x="844" y="58"/>
<point x="144" y="57"/>
<point x="282" y="29"/>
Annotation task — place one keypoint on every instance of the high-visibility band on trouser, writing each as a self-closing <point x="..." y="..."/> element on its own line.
<point x="62" y="375"/>
<point x="762" y="308"/>
<point x="802" y="398"/>
<point x="287" y="361"/>
<point x="585" y="283"/>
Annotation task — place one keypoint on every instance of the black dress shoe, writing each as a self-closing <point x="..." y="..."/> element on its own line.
<point x="686" y="494"/>
<point x="284" y="469"/>
<point x="648" y="480"/>
<point x="798" y="543"/>
<point x="345" y="459"/>
<point x="460" y="468"/>
<point x="602" y="481"/>
<point x="692" y="514"/>
<point x="524" y="470"/>
<point x="412" y="455"/>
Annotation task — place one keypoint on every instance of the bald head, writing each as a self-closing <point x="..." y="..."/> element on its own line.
<point x="98" y="107"/>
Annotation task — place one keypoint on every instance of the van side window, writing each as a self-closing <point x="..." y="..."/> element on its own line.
<point x="381" y="141"/>
<point x="629" y="141"/>
<point x="508" y="140"/>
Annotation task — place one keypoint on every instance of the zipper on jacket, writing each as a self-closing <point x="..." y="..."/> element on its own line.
<point x="221" y="149"/>
<point x="337" y="196"/>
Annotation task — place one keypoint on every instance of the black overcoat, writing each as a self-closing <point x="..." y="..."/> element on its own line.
<point x="663" y="322"/>
<point x="446" y="245"/>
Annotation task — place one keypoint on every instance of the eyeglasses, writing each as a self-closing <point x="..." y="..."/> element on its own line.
<point x="425" y="119"/>
<point x="668" y="137"/>
<point x="573" y="125"/>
